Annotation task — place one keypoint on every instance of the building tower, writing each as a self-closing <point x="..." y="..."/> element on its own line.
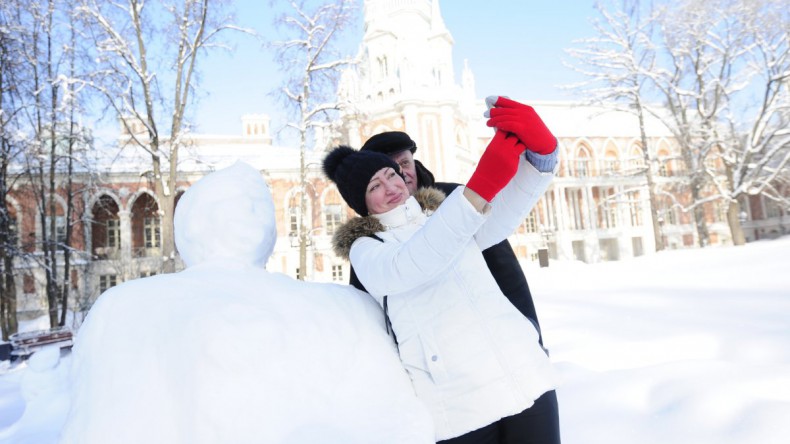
<point x="405" y="81"/>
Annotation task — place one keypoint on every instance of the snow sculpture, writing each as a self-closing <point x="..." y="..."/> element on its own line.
<point x="225" y="351"/>
<point x="44" y="399"/>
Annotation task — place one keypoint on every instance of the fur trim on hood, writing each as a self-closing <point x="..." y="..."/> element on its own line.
<point x="428" y="198"/>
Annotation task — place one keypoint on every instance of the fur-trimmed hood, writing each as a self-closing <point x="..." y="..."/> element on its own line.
<point x="428" y="198"/>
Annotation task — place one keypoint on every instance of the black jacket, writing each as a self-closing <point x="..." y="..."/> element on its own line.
<point x="504" y="266"/>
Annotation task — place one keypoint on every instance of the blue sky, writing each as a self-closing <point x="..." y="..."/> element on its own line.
<point x="514" y="48"/>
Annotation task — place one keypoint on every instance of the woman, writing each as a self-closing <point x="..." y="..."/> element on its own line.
<point x="460" y="340"/>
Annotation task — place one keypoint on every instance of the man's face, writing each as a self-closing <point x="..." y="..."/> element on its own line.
<point x="406" y="162"/>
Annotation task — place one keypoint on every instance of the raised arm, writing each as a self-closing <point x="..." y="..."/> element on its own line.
<point x="392" y="267"/>
<point x="535" y="168"/>
<point x="512" y="204"/>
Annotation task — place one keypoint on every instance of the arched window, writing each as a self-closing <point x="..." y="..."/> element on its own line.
<point x="146" y="226"/>
<point x="334" y="214"/>
<point x="105" y="228"/>
<point x="606" y="199"/>
<point x="383" y="66"/>
<point x="635" y="208"/>
<point x="59" y="220"/>
<point x="772" y="208"/>
<point x="581" y="165"/>
<point x="663" y="163"/>
<point x="668" y="213"/>
<point x="293" y="213"/>
<point x="13" y="225"/>
<point x="575" y="198"/>
<point x="611" y="164"/>
<point x="636" y="159"/>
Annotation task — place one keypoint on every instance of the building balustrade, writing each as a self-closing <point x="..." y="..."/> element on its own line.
<point x="147" y="252"/>
<point x="106" y="253"/>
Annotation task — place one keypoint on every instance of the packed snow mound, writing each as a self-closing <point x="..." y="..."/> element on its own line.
<point x="228" y="352"/>
<point x="226" y="216"/>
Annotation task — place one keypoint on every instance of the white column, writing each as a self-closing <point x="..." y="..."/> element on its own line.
<point x="592" y="251"/>
<point x="353" y="134"/>
<point x="449" y="154"/>
<point x="564" y="245"/>
<point x="410" y="123"/>
<point x="625" y="244"/>
<point x="125" y="217"/>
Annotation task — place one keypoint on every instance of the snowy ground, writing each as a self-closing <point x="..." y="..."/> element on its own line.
<point x="683" y="346"/>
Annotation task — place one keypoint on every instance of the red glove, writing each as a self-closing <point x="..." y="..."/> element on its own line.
<point x="524" y="122"/>
<point x="497" y="165"/>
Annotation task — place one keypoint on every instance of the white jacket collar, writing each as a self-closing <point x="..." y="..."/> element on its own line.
<point x="406" y="213"/>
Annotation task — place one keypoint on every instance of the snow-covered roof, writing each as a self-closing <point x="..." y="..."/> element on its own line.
<point x="206" y="153"/>
<point x="568" y="119"/>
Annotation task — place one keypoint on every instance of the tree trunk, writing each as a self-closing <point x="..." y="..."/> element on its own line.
<point x="3" y="317"/>
<point x="693" y="166"/>
<point x="69" y="192"/>
<point x="10" y="323"/>
<point x="651" y="186"/>
<point x="734" y="221"/>
<point x="164" y="195"/>
<point x="64" y="303"/>
<point x="734" y="213"/>
<point x="703" y="236"/>
<point x="53" y="290"/>
<point x="8" y="320"/>
<point x="166" y="204"/>
<point x="303" y="232"/>
<point x="53" y="293"/>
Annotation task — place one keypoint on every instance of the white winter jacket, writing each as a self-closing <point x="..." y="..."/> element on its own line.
<point x="473" y="358"/>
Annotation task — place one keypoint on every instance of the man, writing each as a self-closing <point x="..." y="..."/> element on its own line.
<point x="500" y="258"/>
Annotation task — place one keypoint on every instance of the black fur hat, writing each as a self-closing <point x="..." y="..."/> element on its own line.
<point x="389" y="143"/>
<point x="351" y="171"/>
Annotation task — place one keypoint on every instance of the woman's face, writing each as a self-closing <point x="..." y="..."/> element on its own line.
<point x="386" y="190"/>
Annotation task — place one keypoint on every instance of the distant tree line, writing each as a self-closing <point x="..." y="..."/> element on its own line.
<point x="63" y="62"/>
<point x="717" y="74"/>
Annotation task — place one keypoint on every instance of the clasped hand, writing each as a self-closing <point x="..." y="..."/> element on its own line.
<point x="522" y="120"/>
<point x="518" y="128"/>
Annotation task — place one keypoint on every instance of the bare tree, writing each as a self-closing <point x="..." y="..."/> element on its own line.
<point x="701" y="48"/>
<point x="616" y="63"/>
<point x="756" y="147"/>
<point x="48" y="88"/>
<point x="312" y="67"/>
<point x="148" y="53"/>
<point x="41" y="144"/>
<point x="706" y="62"/>
<point x="76" y="141"/>
<point x="720" y="56"/>
<point x="11" y="65"/>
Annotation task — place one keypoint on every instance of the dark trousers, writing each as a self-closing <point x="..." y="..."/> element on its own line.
<point x="539" y="424"/>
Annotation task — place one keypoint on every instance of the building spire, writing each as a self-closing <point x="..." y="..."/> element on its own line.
<point x="437" y="22"/>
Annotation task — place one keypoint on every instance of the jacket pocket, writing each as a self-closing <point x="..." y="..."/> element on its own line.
<point x="421" y="360"/>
